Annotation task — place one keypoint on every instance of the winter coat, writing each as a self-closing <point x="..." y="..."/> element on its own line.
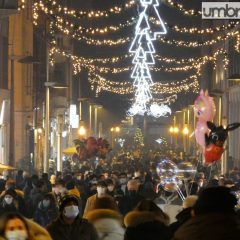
<point x="36" y="232"/>
<point x="141" y="225"/>
<point x="36" y="196"/>
<point x="208" y="227"/>
<point x="147" y="191"/>
<point x="16" y="206"/>
<point x="181" y="217"/>
<point x="91" y="202"/>
<point x="45" y="216"/>
<point x="108" y="224"/>
<point x="129" y="202"/>
<point x="134" y="218"/>
<point x="79" y="230"/>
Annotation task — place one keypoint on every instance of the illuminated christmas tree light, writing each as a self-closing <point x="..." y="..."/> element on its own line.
<point x="143" y="48"/>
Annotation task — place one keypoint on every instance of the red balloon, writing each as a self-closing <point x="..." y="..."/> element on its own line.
<point x="213" y="153"/>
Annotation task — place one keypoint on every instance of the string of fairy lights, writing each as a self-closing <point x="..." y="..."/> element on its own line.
<point x="60" y="22"/>
<point x="121" y="41"/>
<point x="54" y="7"/>
<point x="125" y="87"/>
<point x="79" y="29"/>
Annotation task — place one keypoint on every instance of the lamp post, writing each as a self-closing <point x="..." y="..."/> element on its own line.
<point x="96" y="108"/>
<point x="114" y="130"/>
<point x="48" y="85"/>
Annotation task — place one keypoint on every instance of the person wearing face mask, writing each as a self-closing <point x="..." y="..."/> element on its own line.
<point x="15" y="227"/>
<point x="69" y="225"/>
<point x="130" y="201"/>
<point x="101" y="192"/>
<point x="46" y="211"/>
<point x="114" y="192"/>
<point x="9" y="203"/>
<point x="123" y="182"/>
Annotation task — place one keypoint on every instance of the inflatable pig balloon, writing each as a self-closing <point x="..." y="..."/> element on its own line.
<point x="204" y="109"/>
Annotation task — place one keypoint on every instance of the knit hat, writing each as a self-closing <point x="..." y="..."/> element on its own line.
<point x="215" y="199"/>
<point x="11" y="192"/>
<point x="65" y="200"/>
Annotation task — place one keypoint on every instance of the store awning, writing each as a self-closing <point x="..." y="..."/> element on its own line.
<point x="69" y="151"/>
<point x="6" y="167"/>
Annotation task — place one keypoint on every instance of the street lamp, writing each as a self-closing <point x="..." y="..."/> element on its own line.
<point x="171" y="129"/>
<point x="48" y="85"/>
<point x="117" y="129"/>
<point x="82" y="131"/>
<point x="185" y="131"/>
<point x="175" y="130"/>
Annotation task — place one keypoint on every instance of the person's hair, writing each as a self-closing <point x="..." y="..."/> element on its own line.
<point x="150" y="206"/>
<point x="45" y="176"/>
<point x="70" y="185"/>
<point x="11" y="183"/>
<point x="105" y="203"/>
<point x="10" y="216"/>
<point x="60" y="182"/>
<point x="215" y="200"/>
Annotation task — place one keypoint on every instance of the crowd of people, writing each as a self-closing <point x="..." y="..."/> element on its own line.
<point x="118" y="205"/>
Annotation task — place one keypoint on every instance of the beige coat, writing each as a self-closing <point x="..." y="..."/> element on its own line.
<point x="36" y="231"/>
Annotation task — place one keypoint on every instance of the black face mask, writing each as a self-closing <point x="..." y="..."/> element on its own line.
<point x="132" y="192"/>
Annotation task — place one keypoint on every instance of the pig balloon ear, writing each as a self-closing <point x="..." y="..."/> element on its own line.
<point x="233" y="126"/>
<point x="211" y="126"/>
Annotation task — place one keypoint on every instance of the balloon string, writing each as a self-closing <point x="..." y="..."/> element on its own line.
<point x="180" y="193"/>
<point x="195" y="174"/>
<point x="210" y="174"/>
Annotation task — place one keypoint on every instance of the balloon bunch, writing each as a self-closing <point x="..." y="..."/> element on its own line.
<point x="210" y="137"/>
<point x="92" y="147"/>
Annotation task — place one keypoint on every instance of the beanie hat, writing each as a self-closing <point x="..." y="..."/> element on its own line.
<point x="11" y="192"/>
<point x="215" y="199"/>
<point x="65" y="200"/>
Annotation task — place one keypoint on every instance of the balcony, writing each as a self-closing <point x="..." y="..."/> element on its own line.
<point x="8" y="7"/>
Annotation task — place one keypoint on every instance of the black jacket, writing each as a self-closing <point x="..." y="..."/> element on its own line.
<point x="208" y="227"/>
<point x="81" y="229"/>
<point x="128" y="203"/>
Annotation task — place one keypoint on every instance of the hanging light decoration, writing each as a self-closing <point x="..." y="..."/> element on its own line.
<point x="142" y="47"/>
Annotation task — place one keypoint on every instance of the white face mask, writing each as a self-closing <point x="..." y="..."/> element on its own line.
<point x="110" y="188"/>
<point x="101" y="190"/>
<point x="46" y="203"/>
<point x="122" y="180"/>
<point x="16" y="235"/>
<point x="71" y="211"/>
<point x="8" y="200"/>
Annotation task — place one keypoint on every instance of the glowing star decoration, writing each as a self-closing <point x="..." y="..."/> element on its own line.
<point x="159" y="141"/>
<point x="159" y="110"/>
<point x="143" y="48"/>
<point x="121" y="142"/>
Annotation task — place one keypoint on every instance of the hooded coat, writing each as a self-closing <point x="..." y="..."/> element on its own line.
<point x="145" y="225"/>
<point x="36" y="232"/>
<point x="108" y="224"/>
<point x="134" y="218"/>
<point x="81" y="229"/>
<point x="210" y="226"/>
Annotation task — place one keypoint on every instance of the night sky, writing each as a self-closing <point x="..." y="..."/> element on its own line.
<point x="119" y="104"/>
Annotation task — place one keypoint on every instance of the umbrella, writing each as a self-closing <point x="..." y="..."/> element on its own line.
<point x="69" y="151"/>
<point x="6" y="167"/>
